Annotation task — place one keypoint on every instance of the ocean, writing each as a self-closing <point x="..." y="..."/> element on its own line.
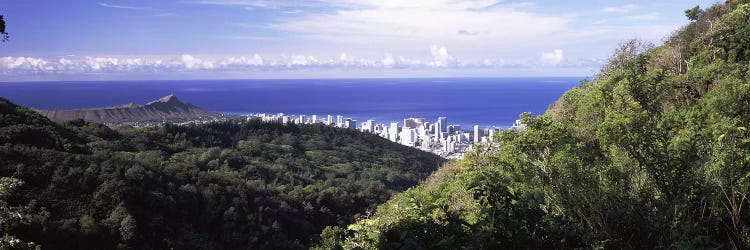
<point x="486" y="102"/>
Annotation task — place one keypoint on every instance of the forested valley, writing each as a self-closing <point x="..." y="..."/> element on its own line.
<point x="229" y="185"/>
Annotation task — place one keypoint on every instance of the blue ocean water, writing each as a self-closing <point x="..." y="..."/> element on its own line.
<point x="465" y="101"/>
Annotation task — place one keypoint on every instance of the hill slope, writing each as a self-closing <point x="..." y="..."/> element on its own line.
<point x="653" y="153"/>
<point x="225" y="185"/>
<point x="166" y="108"/>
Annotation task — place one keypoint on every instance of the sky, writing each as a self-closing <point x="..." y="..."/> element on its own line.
<point x="243" y="39"/>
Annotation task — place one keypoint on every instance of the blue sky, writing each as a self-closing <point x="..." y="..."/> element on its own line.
<point x="213" y="39"/>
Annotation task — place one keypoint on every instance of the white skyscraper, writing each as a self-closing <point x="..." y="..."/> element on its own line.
<point x="314" y="119"/>
<point x="339" y="121"/>
<point x="393" y="132"/>
<point x="476" y="134"/>
<point x="408" y="137"/>
<point x="368" y="126"/>
<point x="330" y="120"/>
<point x="441" y="126"/>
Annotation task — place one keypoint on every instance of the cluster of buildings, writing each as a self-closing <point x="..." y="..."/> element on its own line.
<point x="438" y="137"/>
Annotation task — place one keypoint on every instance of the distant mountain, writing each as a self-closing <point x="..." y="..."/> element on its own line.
<point x="166" y="108"/>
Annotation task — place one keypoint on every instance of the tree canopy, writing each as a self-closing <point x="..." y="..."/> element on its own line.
<point x="3" y="33"/>
<point x="693" y="13"/>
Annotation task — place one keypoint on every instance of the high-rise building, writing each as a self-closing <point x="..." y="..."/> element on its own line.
<point x="349" y="123"/>
<point x="339" y="121"/>
<point x="393" y="132"/>
<point x="441" y="126"/>
<point x="476" y="134"/>
<point x="413" y="122"/>
<point x="302" y="119"/>
<point x="408" y="137"/>
<point x="453" y="128"/>
<point x="368" y="126"/>
<point x="330" y="120"/>
<point x="314" y="119"/>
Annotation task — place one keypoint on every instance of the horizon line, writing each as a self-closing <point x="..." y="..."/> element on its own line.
<point x="299" y="78"/>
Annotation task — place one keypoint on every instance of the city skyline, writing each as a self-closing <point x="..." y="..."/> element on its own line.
<point x="441" y="138"/>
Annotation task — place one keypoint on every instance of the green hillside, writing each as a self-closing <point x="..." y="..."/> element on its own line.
<point x="232" y="185"/>
<point x="654" y="152"/>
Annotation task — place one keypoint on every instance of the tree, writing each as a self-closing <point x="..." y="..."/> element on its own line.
<point x="2" y="30"/>
<point x="694" y="13"/>
<point x="10" y="215"/>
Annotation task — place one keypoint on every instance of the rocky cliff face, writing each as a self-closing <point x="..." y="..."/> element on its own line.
<point x="166" y="108"/>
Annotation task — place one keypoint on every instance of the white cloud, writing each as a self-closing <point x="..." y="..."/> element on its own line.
<point x="523" y="4"/>
<point x="301" y="60"/>
<point x="124" y="7"/>
<point x="24" y="64"/>
<point x="388" y="61"/>
<point x="193" y="63"/>
<point x="271" y="4"/>
<point x="423" y="20"/>
<point x="621" y="9"/>
<point x="553" y="58"/>
<point x="345" y="58"/>
<point x="64" y="61"/>
<point x="293" y="11"/>
<point x="255" y="60"/>
<point x="472" y="29"/>
<point x="400" y="26"/>
<point x="99" y="63"/>
<point x="440" y="57"/>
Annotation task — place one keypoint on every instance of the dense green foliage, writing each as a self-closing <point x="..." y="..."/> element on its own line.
<point x="231" y="185"/>
<point x="3" y="34"/>
<point x="653" y="153"/>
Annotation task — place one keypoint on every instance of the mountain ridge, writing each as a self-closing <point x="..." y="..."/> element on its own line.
<point x="166" y="108"/>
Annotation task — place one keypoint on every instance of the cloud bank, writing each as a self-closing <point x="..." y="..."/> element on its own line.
<point x="438" y="57"/>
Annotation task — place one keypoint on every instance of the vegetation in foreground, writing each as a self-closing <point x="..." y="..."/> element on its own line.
<point x="653" y="153"/>
<point x="231" y="185"/>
